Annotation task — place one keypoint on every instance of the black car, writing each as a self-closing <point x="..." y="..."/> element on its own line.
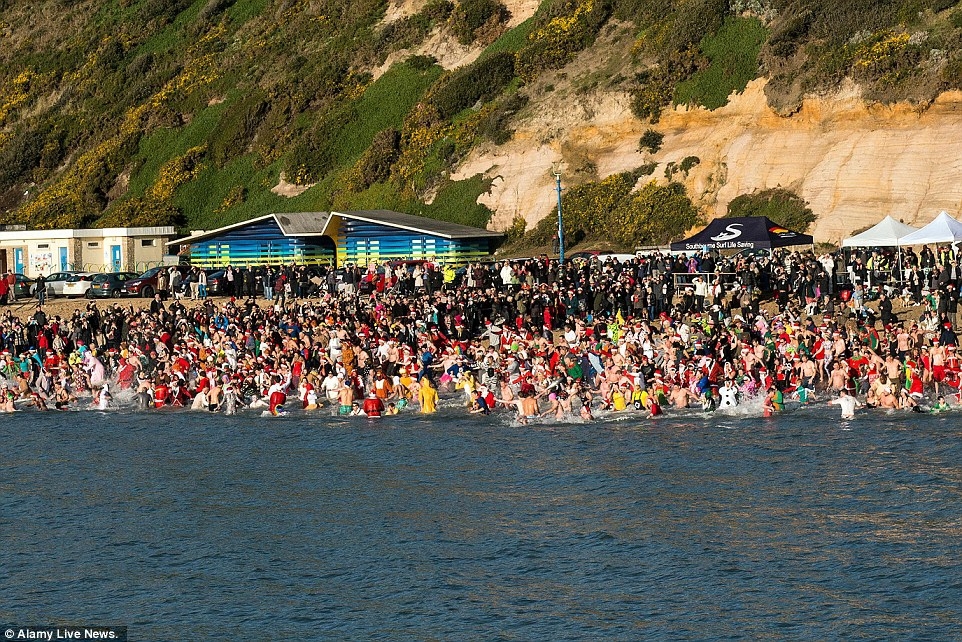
<point x="24" y="286"/>
<point x="109" y="285"/>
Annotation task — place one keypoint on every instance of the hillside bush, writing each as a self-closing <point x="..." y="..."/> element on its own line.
<point x="480" y="81"/>
<point x="650" y="141"/>
<point x="492" y="122"/>
<point x="653" y="88"/>
<point x="410" y="31"/>
<point x="19" y="155"/>
<point x="690" y="23"/>
<point x="782" y="206"/>
<point x="469" y="16"/>
<point x="375" y="164"/>
<point x="651" y="92"/>
<point x="315" y="153"/>
<point x="237" y="128"/>
<point x="567" y="28"/>
<point x="611" y="210"/>
<point x="655" y="215"/>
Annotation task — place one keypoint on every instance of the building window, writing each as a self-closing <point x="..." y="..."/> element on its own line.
<point x="93" y="244"/>
<point x="148" y="242"/>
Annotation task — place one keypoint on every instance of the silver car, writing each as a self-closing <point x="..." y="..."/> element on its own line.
<point x="56" y="281"/>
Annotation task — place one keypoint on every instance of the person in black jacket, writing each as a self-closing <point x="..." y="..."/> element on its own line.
<point x="41" y="286"/>
<point x="885" y="310"/>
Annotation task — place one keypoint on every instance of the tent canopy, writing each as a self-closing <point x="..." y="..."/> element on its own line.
<point x="944" y="229"/>
<point x="747" y="232"/>
<point x="885" y="233"/>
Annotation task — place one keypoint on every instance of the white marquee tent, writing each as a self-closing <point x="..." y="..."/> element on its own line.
<point x="944" y="229"/>
<point x="886" y="233"/>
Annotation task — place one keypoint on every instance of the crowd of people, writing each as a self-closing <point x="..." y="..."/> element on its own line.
<point x="531" y="337"/>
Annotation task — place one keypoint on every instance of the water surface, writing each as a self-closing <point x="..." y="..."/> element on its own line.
<point x="190" y="526"/>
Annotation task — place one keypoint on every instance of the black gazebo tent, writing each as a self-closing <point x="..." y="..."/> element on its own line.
<point x="754" y="232"/>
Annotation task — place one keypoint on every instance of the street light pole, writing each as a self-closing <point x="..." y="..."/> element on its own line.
<point x="561" y="231"/>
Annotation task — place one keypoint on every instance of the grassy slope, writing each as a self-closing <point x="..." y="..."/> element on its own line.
<point x="733" y="56"/>
<point x="78" y="94"/>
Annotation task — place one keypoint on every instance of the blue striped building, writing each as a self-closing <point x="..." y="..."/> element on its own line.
<point x="312" y="238"/>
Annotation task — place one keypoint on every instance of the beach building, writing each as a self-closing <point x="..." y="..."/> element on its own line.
<point x="335" y="238"/>
<point x="111" y="249"/>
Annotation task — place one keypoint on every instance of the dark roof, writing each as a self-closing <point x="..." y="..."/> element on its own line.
<point x="316" y="224"/>
<point x="418" y="224"/>
<point x="302" y="223"/>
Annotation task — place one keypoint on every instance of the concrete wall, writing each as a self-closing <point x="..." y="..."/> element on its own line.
<point x="86" y="250"/>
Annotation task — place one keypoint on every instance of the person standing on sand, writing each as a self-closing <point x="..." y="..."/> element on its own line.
<point x="11" y="288"/>
<point x="41" y="289"/>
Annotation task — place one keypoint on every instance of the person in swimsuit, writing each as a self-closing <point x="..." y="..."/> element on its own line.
<point x="346" y="399"/>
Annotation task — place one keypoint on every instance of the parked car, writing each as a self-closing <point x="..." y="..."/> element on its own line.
<point x="24" y="286"/>
<point x="78" y="284"/>
<point x="145" y="285"/>
<point x="56" y="281"/>
<point x="109" y="285"/>
<point x="216" y="282"/>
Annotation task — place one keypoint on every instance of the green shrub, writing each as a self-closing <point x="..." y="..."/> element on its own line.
<point x="782" y="206"/>
<point x="655" y="215"/>
<point x="410" y="31"/>
<point x="688" y="163"/>
<point x="469" y="16"/>
<point x="693" y="21"/>
<point x="421" y="63"/>
<point x="650" y="141"/>
<point x="480" y="81"/>
<point x="495" y="125"/>
<point x="650" y="93"/>
<point x="516" y="230"/>
<point x="653" y="88"/>
<point x="569" y="27"/>
<point x="647" y="169"/>
<point x="609" y="210"/>
<point x="437" y="10"/>
<point x="315" y="154"/>
<point x="212" y="8"/>
<point x="375" y="165"/>
<point x="790" y="34"/>
<point x="19" y="155"/>
<point x="342" y="134"/>
<point x="163" y="11"/>
<point x="237" y="128"/>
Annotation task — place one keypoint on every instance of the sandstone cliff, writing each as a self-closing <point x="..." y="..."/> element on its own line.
<point x="853" y="163"/>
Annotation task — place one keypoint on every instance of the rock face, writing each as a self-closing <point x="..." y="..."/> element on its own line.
<point x="852" y="162"/>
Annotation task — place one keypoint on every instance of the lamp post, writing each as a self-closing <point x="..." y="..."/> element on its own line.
<point x="561" y="231"/>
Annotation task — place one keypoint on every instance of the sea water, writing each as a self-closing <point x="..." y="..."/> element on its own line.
<point x="184" y="525"/>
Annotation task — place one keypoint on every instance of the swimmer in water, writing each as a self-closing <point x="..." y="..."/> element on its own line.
<point x="774" y="402"/>
<point x="104" y="402"/>
<point x="848" y="403"/>
<point x="230" y="400"/>
<point x="728" y="395"/>
<point x="708" y="403"/>
<point x="940" y="405"/>
<point x="654" y="408"/>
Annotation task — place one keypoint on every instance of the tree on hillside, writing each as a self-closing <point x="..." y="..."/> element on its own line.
<point x="782" y="206"/>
